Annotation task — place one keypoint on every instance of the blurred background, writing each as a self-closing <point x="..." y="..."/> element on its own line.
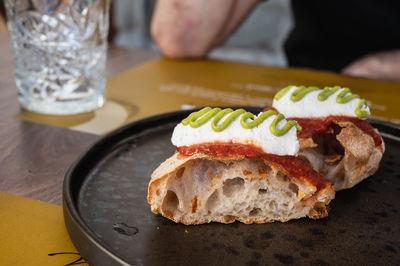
<point x="258" y="40"/>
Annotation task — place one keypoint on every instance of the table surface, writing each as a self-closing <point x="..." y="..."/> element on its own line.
<point x="34" y="157"/>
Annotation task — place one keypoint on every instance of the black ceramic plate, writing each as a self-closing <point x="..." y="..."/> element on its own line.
<point x="110" y="222"/>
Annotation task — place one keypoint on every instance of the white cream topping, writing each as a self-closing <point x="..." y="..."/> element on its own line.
<point x="309" y="106"/>
<point x="259" y="136"/>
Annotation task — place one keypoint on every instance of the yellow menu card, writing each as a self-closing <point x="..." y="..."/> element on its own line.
<point x="33" y="233"/>
<point x="165" y="85"/>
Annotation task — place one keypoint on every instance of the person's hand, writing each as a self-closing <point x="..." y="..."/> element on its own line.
<point x="382" y="65"/>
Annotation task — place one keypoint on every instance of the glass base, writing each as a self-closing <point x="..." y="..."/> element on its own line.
<point x="64" y="107"/>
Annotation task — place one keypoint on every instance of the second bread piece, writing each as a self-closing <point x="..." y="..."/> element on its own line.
<point x="345" y="155"/>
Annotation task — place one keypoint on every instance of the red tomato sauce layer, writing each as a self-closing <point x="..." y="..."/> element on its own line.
<point x="314" y="126"/>
<point x="270" y="108"/>
<point x="294" y="166"/>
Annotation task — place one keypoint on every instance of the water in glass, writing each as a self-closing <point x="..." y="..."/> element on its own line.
<point x="59" y="50"/>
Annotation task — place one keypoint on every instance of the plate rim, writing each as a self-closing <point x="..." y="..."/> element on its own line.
<point x="83" y="237"/>
<point x="77" y="229"/>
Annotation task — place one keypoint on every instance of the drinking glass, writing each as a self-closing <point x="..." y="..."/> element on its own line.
<point x="59" y="52"/>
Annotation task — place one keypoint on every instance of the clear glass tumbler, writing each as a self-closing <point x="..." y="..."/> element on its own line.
<point x="59" y="50"/>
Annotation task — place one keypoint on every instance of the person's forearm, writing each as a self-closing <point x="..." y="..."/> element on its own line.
<point x="240" y="11"/>
<point x="189" y="28"/>
<point x="383" y="65"/>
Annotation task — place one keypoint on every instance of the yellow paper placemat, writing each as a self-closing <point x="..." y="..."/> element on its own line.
<point x="33" y="233"/>
<point x="164" y="85"/>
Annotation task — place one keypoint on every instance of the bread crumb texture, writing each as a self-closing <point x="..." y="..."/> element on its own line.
<point x="201" y="189"/>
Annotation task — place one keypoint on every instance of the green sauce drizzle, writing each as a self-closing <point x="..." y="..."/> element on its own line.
<point x="360" y="113"/>
<point x="199" y="118"/>
<point x="289" y="124"/>
<point x="282" y="92"/>
<point x="227" y="121"/>
<point x="255" y="122"/>
<point x="300" y="92"/>
<point x="328" y="91"/>
<point x="343" y="97"/>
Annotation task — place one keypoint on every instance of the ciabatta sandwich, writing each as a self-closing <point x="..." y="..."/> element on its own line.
<point x="231" y="165"/>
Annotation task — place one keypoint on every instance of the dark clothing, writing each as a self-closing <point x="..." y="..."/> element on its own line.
<point x="331" y="34"/>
